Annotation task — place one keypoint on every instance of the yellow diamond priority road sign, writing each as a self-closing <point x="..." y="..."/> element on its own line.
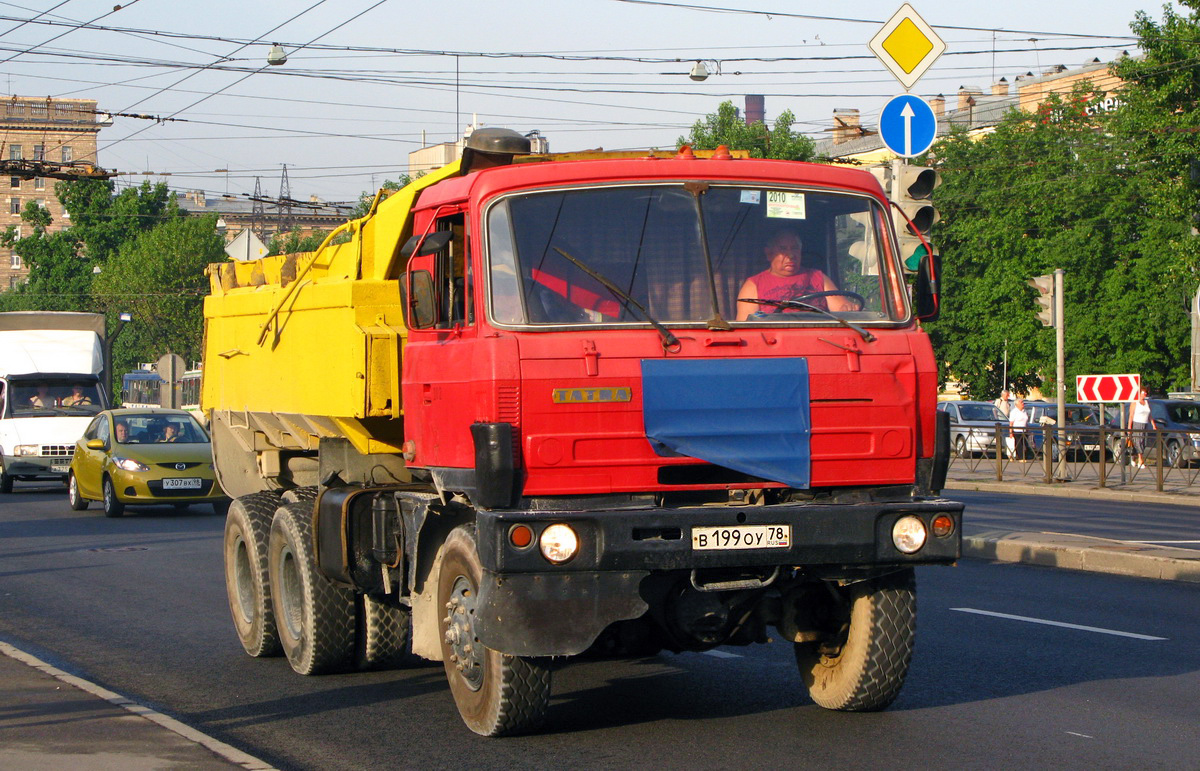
<point x="907" y="46"/>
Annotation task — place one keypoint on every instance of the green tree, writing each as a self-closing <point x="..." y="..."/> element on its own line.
<point x="62" y="264"/>
<point x="367" y="197"/>
<point x="726" y="127"/>
<point x="159" y="278"/>
<point x="1055" y="189"/>
<point x="295" y="241"/>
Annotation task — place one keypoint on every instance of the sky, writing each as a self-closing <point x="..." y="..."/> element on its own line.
<point x="368" y="81"/>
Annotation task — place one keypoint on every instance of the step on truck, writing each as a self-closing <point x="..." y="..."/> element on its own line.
<point x="531" y="407"/>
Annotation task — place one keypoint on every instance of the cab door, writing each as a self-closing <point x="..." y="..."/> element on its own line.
<point x="440" y="355"/>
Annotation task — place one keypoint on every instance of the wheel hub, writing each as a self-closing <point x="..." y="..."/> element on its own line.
<point x="465" y="651"/>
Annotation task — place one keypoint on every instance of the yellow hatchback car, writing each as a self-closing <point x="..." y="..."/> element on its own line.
<point x="143" y="457"/>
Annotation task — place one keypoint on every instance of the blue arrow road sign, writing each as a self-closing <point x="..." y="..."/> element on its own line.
<point x="907" y="125"/>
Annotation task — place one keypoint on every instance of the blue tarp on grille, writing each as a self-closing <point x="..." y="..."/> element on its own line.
<point x="750" y="415"/>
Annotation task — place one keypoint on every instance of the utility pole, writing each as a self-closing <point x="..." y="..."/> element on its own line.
<point x="1060" y="329"/>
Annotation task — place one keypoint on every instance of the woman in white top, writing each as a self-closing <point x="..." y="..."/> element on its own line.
<point x="1140" y="420"/>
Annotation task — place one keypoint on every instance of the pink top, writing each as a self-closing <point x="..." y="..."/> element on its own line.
<point x="769" y="286"/>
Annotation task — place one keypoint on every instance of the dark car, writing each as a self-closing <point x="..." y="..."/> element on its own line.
<point x="1080" y="432"/>
<point x="973" y="426"/>
<point x="1178" y="419"/>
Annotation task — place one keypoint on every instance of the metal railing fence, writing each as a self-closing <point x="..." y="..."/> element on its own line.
<point x="1105" y="457"/>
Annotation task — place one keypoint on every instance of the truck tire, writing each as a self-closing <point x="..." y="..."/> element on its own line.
<point x="6" y="482"/>
<point x="77" y="501"/>
<point x="381" y="639"/>
<point x="496" y="694"/>
<point x="247" y="580"/>
<point x="315" y="618"/>
<point x="306" y="495"/>
<point x="863" y="666"/>
<point x="112" y="504"/>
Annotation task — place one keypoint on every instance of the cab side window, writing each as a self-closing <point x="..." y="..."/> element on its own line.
<point x="453" y="278"/>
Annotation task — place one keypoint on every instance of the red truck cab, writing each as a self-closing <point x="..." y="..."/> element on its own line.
<point x="520" y="329"/>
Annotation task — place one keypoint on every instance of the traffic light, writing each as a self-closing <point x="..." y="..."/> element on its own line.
<point x="912" y="191"/>
<point x="1045" y="298"/>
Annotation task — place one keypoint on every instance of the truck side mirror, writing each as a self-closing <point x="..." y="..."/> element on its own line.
<point x="927" y="289"/>
<point x="429" y="244"/>
<point x="419" y="300"/>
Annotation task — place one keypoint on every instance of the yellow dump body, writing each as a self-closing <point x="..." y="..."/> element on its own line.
<point x="302" y="346"/>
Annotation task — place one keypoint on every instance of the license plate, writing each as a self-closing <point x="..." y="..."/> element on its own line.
<point x="187" y="483"/>
<point x="60" y="468"/>
<point x="742" y="537"/>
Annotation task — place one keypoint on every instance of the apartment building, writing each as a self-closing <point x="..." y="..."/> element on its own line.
<point x="39" y="135"/>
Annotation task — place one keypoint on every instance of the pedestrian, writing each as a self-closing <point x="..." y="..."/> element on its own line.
<point x="1140" y="420"/>
<point x="1002" y="403"/>
<point x="1018" y="422"/>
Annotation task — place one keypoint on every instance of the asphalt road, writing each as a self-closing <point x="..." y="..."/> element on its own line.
<point x="1152" y="523"/>
<point x="138" y="605"/>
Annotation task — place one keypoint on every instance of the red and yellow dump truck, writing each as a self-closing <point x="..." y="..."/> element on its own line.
<point x="518" y="411"/>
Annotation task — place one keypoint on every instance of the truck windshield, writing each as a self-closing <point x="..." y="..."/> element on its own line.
<point x="772" y="252"/>
<point x="54" y="397"/>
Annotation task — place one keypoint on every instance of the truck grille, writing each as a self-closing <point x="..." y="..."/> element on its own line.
<point x="508" y="400"/>
<point x="58" y="450"/>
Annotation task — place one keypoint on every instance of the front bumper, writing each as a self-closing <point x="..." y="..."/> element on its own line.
<point x="134" y="488"/>
<point x="530" y="607"/>
<point x="852" y="535"/>
<point x="36" y="466"/>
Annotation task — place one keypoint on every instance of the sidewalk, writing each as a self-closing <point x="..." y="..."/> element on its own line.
<point x="1080" y="552"/>
<point x="50" y="720"/>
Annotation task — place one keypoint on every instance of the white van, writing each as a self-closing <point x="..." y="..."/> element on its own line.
<point x="51" y="365"/>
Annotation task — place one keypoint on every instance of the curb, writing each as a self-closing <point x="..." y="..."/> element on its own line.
<point x="1078" y="552"/>
<point x="1065" y="491"/>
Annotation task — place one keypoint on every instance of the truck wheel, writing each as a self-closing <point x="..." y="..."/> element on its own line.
<point x="247" y="582"/>
<point x="78" y="502"/>
<point x="862" y="666"/>
<point x="381" y="641"/>
<point x="112" y="505"/>
<point x="306" y="495"/>
<point x="496" y="694"/>
<point x="6" y="482"/>
<point x="315" y="618"/>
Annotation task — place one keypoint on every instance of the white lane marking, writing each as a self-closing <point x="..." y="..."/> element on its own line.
<point x="1047" y="622"/>
<point x="1082" y="736"/>
<point x="1160" y="542"/>
<point x="722" y="654"/>
<point x="232" y="754"/>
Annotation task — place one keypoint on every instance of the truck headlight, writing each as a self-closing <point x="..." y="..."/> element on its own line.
<point x="129" y="464"/>
<point x="559" y="543"/>
<point x="908" y="534"/>
<point x="26" y="449"/>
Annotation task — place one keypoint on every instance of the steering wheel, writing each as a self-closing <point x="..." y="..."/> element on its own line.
<point x="855" y="296"/>
<point x="781" y="305"/>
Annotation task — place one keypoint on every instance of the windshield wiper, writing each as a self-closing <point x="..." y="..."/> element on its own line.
<point x="866" y="336"/>
<point x="669" y="340"/>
